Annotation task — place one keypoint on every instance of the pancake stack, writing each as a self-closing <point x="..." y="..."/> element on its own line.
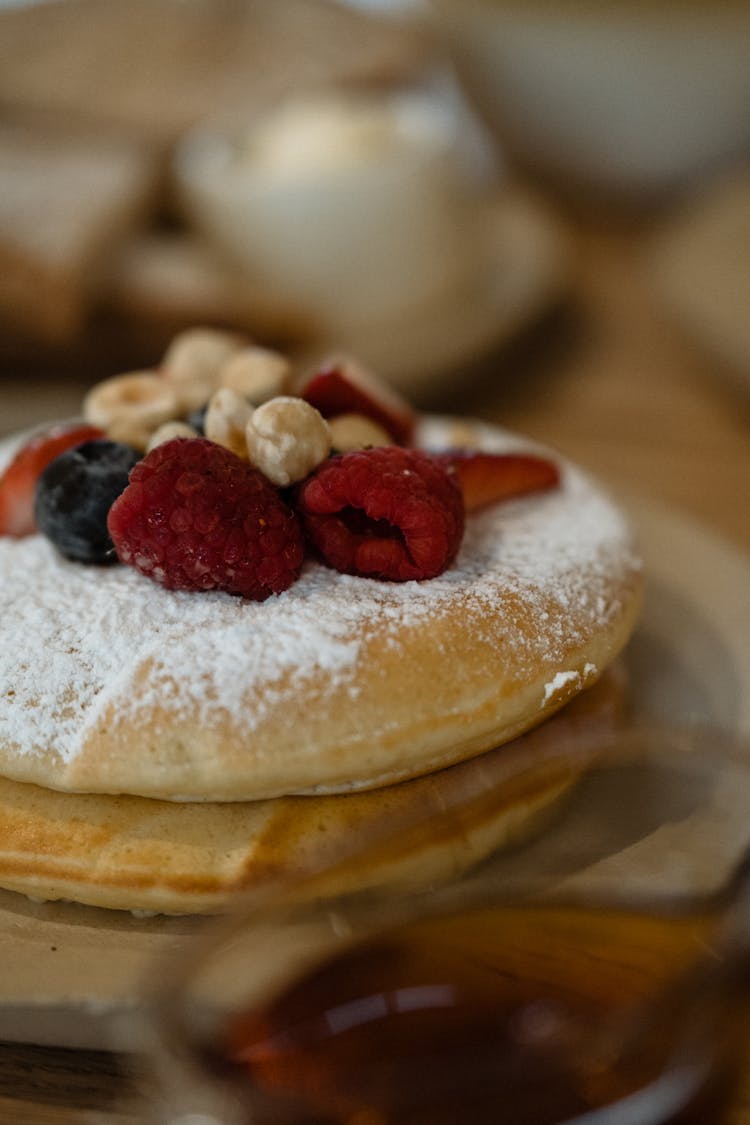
<point x="163" y="750"/>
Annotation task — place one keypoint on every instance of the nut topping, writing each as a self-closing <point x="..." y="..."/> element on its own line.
<point x="286" y="439"/>
<point x="226" y="418"/>
<point x="169" y="431"/>
<point x="355" y="431"/>
<point x="194" y="360"/>
<point x="130" y="407"/>
<point x="258" y="374"/>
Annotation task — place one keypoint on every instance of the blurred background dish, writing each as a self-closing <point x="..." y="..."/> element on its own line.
<point x="357" y="207"/>
<point x="520" y="272"/>
<point x="305" y="173"/>
<point x="382" y="220"/>
<point x="80" y="81"/>
<point x="631" y="97"/>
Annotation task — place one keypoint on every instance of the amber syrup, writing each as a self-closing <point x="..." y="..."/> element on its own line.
<point x="530" y="1016"/>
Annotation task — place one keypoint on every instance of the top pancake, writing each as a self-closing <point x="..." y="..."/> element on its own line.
<point x="109" y="683"/>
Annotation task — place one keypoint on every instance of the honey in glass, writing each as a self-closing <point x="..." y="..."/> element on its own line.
<point x="534" y="1015"/>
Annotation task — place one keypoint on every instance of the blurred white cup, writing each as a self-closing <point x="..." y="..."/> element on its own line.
<point x="357" y="208"/>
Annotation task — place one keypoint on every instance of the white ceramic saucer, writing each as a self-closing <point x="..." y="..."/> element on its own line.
<point x="523" y="269"/>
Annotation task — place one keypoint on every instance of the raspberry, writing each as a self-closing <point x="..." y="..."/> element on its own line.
<point x="343" y="387"/>
<point x="196" y="517"/>
<point x="385" y="512"/>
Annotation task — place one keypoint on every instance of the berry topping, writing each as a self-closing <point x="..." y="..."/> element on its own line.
<point x="18" y="482"/>
<point x="384" y="513"/>
<point x="74" y="495"/>
<point x="346" y="388"/>
<point x="196" y="517"/>
<point x="486" y="478"/>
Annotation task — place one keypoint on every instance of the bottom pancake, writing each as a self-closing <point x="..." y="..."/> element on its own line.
<point x="134" y="853"/>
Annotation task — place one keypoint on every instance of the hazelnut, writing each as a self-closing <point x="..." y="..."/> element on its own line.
<point x="131" y="406"/>
<point x="193" y="361"/>
<point x="286" y="439"/>
<point x="169" y="431"/>
<point x="226" y="418"/>
<point x="257" y="374"/>
<point x="356" y="431"/>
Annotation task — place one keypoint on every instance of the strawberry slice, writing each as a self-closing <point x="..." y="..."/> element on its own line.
<point x="18" y="482"/>
<point x="344" y="387"/>
<point x="486" y="478"/>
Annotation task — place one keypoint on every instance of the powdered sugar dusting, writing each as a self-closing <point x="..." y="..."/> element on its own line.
<point x="558" y="682"/>
<point x="73" y="637"/>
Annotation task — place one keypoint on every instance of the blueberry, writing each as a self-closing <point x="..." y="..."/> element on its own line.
<point x="197" y="419"/>
<point x="74" y="495"/>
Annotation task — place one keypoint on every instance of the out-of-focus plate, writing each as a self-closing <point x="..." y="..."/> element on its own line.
<point x="523" y="270"/>
<point x="69" y="975"/>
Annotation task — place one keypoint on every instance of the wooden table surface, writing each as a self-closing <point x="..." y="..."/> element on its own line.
<point x="607" y="380"/>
